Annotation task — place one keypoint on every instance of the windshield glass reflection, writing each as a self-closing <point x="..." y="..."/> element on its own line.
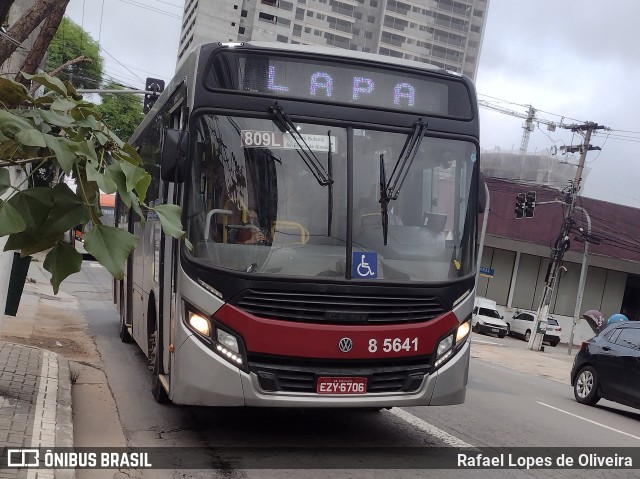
<point x="255" y="206"/>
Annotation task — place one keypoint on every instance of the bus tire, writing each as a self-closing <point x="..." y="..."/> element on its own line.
<point x="158" y="391"/>
<point x="125" y="336"/>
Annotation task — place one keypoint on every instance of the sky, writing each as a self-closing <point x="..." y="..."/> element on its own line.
<point x="572" y="60"/>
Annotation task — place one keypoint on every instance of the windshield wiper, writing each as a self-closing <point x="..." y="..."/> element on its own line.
<point x="391" y="190"/>
<point x="309" y="158"/>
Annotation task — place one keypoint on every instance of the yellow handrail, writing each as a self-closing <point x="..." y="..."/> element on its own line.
<point x="291" y="225"/>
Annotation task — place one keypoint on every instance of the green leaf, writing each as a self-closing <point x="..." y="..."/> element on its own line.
<point x="135" y="204"/>
<point x="104" y="181"/>
<point x="132" y="152"/>
<point x="52" y="83"/>
<point x="117" y="175"/>
<point x="67" y="211"/>
<point x="84" y="120"/>
<point x="62" y="261"/>
<point x="170" y="219"/>
<point x="8" y="149"/>
<point x="87" y="149"/>
<point x="31" y="137"/>
<point x="58" y="119"/>
<point x="71" y="90"/>
<point x="142" y="186"/>
<point x="47" y="99"/>
<point x="115" y="138"/>
<point x="133" y="174"/>
<point x="63" y="104"/>
<point x="101" y="137"/>
<point x="90" y="192"/>
<point x="110" y="246"/>
<point x="13" y="93"/>
<point x="125" y="158"/>
<point x="63" y="149"/>
<point x="13" y="122"/>
<point x="28" y="244"/>
<point x="10" y="220"/>
<point x="5" y="180"/>
<point x="34" y="205"/>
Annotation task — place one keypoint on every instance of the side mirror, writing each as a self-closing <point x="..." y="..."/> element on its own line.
<point x="175" y="147"/>
<point x="482" y="193"/>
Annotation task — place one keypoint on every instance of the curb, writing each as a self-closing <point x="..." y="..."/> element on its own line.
<point x="64" y="419"/>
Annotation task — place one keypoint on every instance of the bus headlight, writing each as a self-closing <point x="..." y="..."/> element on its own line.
<point x="227" y="340"/>
<point x="199" y="323"/>
<point x="463" y="331"/>
<point x="451" y="344"/>
<point x="218" y="338"/>
<point x="444" y="350"/>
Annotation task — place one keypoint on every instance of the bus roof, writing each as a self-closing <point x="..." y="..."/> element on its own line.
<point x="334" y="51"/>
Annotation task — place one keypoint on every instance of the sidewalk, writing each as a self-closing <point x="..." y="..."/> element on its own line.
<point x="35" y="387"/>
<point x="552" y="363"/>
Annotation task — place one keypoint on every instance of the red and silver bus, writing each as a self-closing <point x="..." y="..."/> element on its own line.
<point x="330" y="203"/>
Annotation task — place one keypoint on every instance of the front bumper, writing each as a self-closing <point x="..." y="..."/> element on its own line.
<point x="200" y="377"/>
<point x="489" y="329"/>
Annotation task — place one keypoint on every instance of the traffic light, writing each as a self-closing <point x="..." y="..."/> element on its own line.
<point x="154" y="86"/>
<point x="520" y="201"/>
<point x="530" y="204"/>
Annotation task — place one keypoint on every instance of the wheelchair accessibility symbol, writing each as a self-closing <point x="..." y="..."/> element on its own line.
<point x="365" y="265"/>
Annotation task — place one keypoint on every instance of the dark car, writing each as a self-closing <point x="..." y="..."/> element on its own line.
<point x="608" y="366"/>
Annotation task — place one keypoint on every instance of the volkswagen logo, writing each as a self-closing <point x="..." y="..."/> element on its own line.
<point x="345" y="345"/>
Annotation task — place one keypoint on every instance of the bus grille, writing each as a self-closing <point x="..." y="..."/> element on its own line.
<point x="300" y="376"/>
<point x="336" y="308"/>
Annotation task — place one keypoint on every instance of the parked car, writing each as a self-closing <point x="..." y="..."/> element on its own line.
<point x="521" y="324"/>
<point x="608" y="366"/>
<point x="553" y="331"/>
<point x="486" y="319"/>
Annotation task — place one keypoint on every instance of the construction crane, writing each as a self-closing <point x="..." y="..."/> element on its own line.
<point x="529" y="117"/>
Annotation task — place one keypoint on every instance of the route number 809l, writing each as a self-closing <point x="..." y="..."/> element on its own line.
<point x="396" y="345"/>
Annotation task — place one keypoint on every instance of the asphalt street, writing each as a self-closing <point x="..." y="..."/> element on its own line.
<point x="504" y="408"/>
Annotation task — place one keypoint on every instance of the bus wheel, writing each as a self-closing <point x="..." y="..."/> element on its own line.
<point x="158" y="391"/>
<point x="125" y="336"/>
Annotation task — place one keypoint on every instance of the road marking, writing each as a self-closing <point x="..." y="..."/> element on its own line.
<point x="481" y="341"/>
<point x="430" y="429"/>
<point x="589" y="420"/>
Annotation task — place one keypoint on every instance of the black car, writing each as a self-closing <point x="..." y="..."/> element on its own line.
<point x="608" y="366"/>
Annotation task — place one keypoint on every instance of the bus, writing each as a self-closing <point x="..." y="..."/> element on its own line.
<point x="330" y="205"/>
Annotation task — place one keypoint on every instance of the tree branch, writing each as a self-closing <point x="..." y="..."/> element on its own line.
<point x="73" y="61"/>
<point x="24" y="161"/>
<point x="48" y="30"/>
<point x="21" y="29"/>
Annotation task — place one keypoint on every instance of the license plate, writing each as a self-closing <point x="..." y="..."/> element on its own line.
<point x="495" y="330"/>
<point x="341" y="385"/>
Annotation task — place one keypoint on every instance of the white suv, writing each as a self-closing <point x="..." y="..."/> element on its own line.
<point x="521" y="324"/>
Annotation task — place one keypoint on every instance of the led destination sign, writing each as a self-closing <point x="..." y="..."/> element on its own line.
<point x="336" y="82"/>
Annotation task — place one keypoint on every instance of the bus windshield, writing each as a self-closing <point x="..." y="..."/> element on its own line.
<point x="255" y="206"/>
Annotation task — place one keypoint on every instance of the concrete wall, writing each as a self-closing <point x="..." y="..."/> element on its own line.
<point x="604" y="288"/>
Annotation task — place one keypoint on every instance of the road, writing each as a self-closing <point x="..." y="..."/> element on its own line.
<point x="504" y="408"/>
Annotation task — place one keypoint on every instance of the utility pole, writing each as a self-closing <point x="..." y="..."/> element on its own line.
<point x="588" y="238"/>
<point x="562" y="242"/>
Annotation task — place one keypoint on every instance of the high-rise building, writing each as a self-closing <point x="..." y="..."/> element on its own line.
<point x="445" y="33"/>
